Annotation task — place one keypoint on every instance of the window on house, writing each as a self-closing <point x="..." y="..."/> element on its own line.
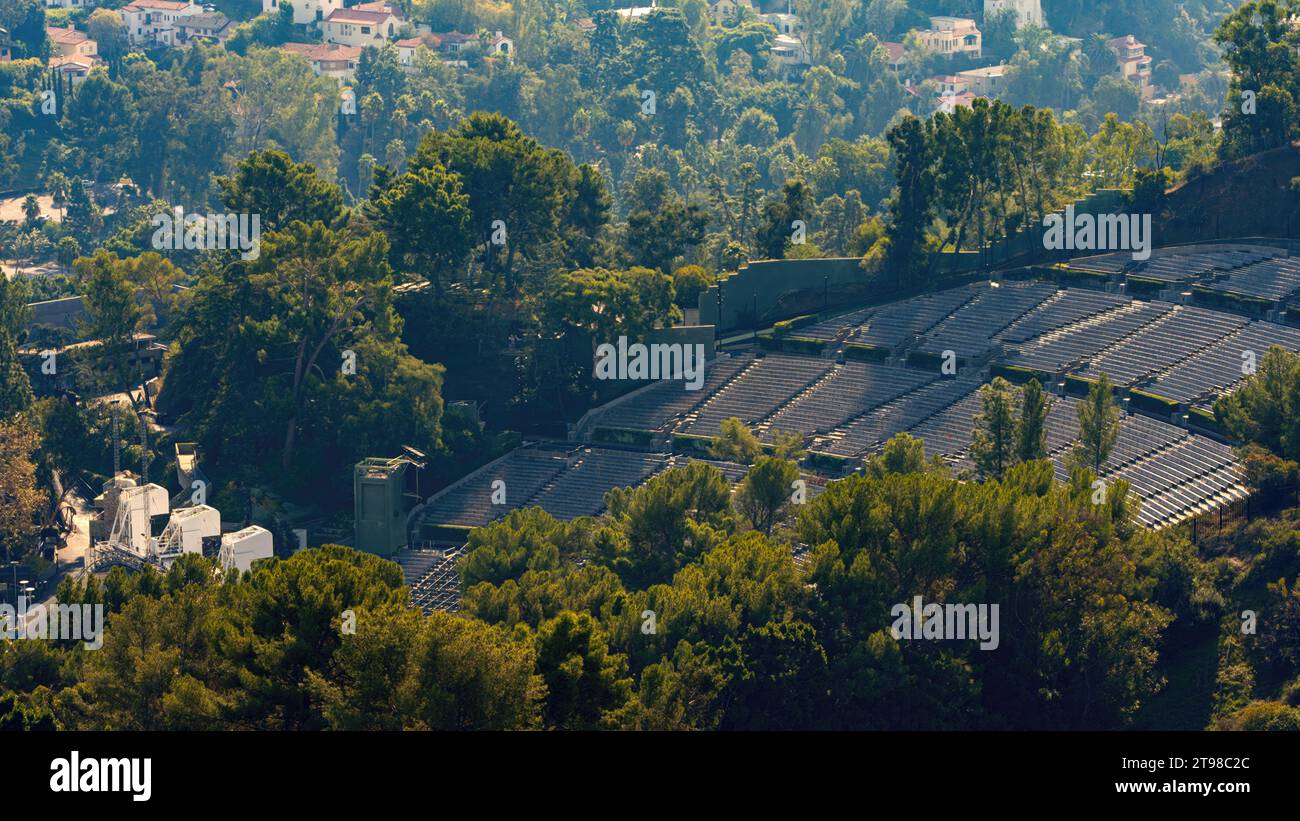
<point x="365" y="29"/>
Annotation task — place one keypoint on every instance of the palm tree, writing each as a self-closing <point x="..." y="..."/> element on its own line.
<point x="31" y="211"/>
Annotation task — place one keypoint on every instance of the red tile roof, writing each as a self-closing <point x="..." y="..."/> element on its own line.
<point x="320" y="52"/>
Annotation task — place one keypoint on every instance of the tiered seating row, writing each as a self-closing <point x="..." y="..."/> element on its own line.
<point x="469" y="502"/>
<point x="1178" y="335"/>
<point x="580" y="490"/>
<point x="1275" y="279"/>
<point x="757" y="392"/>
<point x="865" y="433"/>
<point x="831" y="328"/>
<point x="1059" y="351"/>
<point x="893" y="324"/>
<point x="661" y="406"/>
<point x="1070" y="306"/>
<point x="1219" y="367"/>
<point x="969" y="331"/>
<point x="433" y="578"/>
<point x="853" y="389"/>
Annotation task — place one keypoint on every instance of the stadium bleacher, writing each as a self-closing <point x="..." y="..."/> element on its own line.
<point x="1217" y="368"/>
<point x="1183" y="352"/>
<point x="969" y="331"/>
<point x="757" y="392"/>
<point x="1070" y="346"/>
<point x="852" y="389"/>
<point x="893" y="324"/>
<point x="660" y="406"/>
<point x="1172" y="338"/>
<point x="1066" y="308"/>
<point x="1271" y="279"/>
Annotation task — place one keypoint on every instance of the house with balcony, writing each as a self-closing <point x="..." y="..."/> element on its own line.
<point x="153" y="22"/>
<point x="1134" y="64"/>
<point x="329" y="59"/>
<point x="213" y="28"/>
<point x="789" y="51"/>
<point x="305" y="12"/>
<point x="951" y="36"/>
<point x="1028" y="12"/>
<point x="350" y="27"/>
<point x="985" y="82"/>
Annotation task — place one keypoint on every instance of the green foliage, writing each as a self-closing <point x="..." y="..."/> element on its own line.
<point x="1266" y="407"/>
<point x="765" y="491"/>
<point x="1031" y="435"/>
<point x="995" y="444"/>
<point x="1260" y="46"/>
<point x="1099" y="421"/>
<point x="664" y="523"/>
<point x="280" y="384"/>
<point x="735" y="443"/>
<point x="269" y="183"/>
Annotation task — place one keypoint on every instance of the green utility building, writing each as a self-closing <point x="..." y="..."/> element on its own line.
<point x="379" y="491"/>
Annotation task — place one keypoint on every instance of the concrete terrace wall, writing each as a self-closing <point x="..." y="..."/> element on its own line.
<point x="761" y="291"/>
<point x="753" y="293"/>
<point x="64" y="313"/>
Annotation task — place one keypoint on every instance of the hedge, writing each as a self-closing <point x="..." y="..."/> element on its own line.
<point x="446" y="533"/>
<point x="623" y="436"/>
<point x="1152" y="402"/>
<point x="1018" y="375"/>
<point x="865" y="353"/>
<point x="802" y="344"/>
<point x="692" y="444"/>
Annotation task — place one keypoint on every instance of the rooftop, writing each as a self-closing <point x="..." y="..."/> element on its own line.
<point x="317" y="52"/>
<point x="66" y="36"/>
<point x="354" y="16"/>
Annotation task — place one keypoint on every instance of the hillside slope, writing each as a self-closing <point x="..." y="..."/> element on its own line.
<point x="1250" y="197"/>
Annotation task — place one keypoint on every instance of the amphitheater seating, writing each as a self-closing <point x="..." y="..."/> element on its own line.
<point x="832" y="328"/>
<point x="893" y="324"/>
<point x="432" y="577"/>
<point x="852" y="389"/>
<point x="1177" y="335"/>
<point x="970" y="329"/>
<point x="659" y="407"/>
<point x="757" y="392"/>
<point x="1068" y="307"/>
<point x="867" y="432"/>
<point x="1058" y="351"/>
<point x="1171" y="265"/>
<point x="1272" y="279"/>
<point x="1217" y="368"/>
<point x="1183" y="352"/>
<point x="469" y="502"/>
<point x="580" y="490"/>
